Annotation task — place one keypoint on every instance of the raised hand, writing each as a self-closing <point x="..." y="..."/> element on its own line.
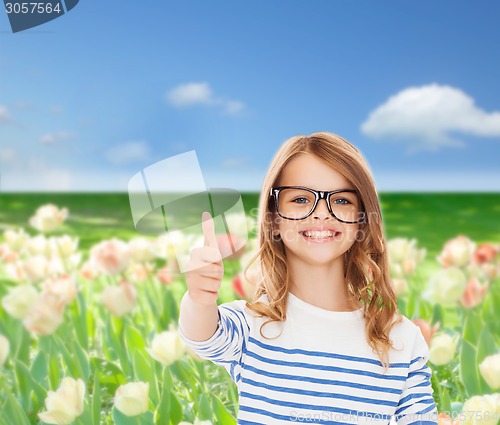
<point x="205" y="267"/>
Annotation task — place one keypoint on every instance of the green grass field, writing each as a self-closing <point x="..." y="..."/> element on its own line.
<point x="432" y="218"/>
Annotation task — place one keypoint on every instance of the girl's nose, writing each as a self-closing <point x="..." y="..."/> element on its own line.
<point x="321" y="210"/>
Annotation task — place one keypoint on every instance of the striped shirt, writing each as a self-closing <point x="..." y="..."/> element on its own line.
<point x="319" y="368"/>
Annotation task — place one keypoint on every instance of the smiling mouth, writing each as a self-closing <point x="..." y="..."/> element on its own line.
<point x="320" y="235"/>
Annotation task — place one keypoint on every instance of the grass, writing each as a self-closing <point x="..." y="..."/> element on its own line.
<point x="432" y="218"/>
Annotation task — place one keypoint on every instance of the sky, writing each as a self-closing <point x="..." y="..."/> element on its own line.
<point x="90" y="99"/>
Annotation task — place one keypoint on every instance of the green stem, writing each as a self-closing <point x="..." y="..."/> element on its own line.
<point x="61" y="255"/>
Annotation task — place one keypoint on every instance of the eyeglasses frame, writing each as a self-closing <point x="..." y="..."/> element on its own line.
<point x="319" y="194"/>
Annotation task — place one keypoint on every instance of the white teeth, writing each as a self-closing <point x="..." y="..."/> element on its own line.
<point x="315" y="234"/>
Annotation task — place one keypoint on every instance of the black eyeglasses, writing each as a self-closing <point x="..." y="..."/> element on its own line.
<point x="298" y="202"/>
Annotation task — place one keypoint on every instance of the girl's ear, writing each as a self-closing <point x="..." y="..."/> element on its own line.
<point x="275" y="224"/>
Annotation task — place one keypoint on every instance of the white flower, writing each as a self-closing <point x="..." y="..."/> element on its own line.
<point x="238" y="224"/>
<point x="139" y="272"/>
<point x="481" y="410"/>
<point x="35" y="268"/>
<point x="4" y="349"/>
<point x="446" y="286"/>
<point x="66" y="404"/>
<point x="161" y="246"/>
<point x="45" y="315"/>
<point x="121" y="299"/>
<point x="48" y="218"/>
<point x="142" y="249"/>
<point x="490" y="370"/>
<point x="398" y="249"/>
<point x="442" y="349"/>
<point x="175" y="245"/>
<point x="19" y="300"/>
<point x="457" y="252"/>
<point x="167" y="347"/>
<point x="58" y="265"/>
<point x="38" y="245"/>
<point x="63" y="246"/>
<point x="15" y="239"/>
<point x="400" y="286"/>
<point x="132" y="399"/>
<point x="404" y="256"/>
<point x="14" y="271"/>
<point x="111" y="256"/>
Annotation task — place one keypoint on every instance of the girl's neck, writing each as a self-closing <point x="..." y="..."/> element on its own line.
<point x="323" y="286"/>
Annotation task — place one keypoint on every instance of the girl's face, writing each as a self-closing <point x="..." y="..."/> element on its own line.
<point x="309" y="171"/>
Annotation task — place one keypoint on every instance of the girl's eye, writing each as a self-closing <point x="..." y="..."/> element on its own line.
<point x="300" y="200"/>
<point x="341" y="203"/>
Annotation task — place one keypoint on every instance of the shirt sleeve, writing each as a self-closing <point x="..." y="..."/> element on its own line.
<point x="228" y="344"/>
<point x="416" y="405"/>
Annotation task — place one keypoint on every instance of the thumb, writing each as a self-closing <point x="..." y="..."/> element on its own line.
<point x="207" y="223"/>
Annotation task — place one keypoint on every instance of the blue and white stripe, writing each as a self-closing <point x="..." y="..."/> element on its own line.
<point x="280" y="382"/>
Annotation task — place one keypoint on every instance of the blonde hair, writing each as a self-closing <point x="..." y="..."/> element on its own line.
<point x="366" y="263"/>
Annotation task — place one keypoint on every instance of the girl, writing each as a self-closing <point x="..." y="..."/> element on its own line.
<point x="322" y="341"/>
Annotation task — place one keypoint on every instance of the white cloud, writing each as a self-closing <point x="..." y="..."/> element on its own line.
<point x="7" y="154"/>
<point x="425" y="116"/>
<point x="127" y="153"/>
<point x="4" y="114"/>
<point x="56" y="137"/>
<point x="233" y="107"/>
<point x="190" y="94"/>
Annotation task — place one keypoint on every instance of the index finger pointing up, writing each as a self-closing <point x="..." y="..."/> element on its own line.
<point x="207" y="223"/>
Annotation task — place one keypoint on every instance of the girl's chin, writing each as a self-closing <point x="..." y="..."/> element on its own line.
<point x="315" y="253"/>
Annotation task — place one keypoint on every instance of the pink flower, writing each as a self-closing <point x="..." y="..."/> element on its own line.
<point x="474" y="293"/>
<point x="244" y="287"/>
<point x="45" y="314"/>
<point x="444" y="419"/>
<point x="111" y="256"/>
<point x="425" y="328"/>
<point x="64" y="287"/>
<point x="121" y="299"/>
<point x="485" y="253"/>
<point x="8" y="255"/>
<point x="139" y="272"/>
<point x="89" y="270"/>
<point x="164" y="275"/>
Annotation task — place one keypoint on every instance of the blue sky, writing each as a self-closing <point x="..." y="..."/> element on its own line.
<point x="91" y="98"/>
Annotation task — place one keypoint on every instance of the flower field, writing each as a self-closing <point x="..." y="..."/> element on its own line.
<point x="89" y="310"/>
